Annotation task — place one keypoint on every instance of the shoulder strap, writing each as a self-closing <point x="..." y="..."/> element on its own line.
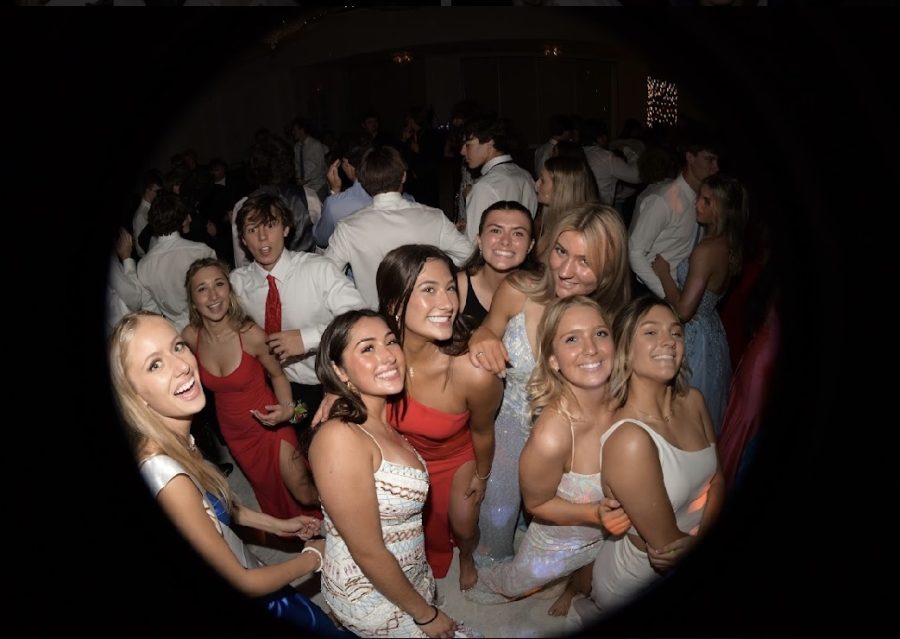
<point x="373" y="439"/>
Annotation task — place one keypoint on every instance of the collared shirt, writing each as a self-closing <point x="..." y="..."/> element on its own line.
<point x="313" y="291"/>
<point x="664" y="223"/>
<point x="608" y="168"/>
<point x="162" y="272"/>
<point x="123" y="280"/>
<point x="339" y="205"/>
<point x="365" y="237"/>
<point x="501" y="179"/>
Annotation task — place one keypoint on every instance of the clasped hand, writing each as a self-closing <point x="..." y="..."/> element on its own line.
<point x="285" y="345"/>
<point x="302" y="526"/>
<point x="613" y="516"/>
<point x="276" y="414"/>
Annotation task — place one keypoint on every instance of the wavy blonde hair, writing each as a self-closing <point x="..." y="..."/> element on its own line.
<point x="734" y="211"/>
<point x="573" y="184"/>
<point x="144" y="426"/>
<point x="607" y="253"/>
<point x="547" y="387"/>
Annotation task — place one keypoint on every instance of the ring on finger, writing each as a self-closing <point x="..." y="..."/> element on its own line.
<point x="479" y="353"/>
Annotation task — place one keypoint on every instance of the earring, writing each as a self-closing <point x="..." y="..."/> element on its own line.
<point x="351" y="387"/>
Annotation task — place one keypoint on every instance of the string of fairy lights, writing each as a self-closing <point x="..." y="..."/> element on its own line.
<point x="662" y="102"/>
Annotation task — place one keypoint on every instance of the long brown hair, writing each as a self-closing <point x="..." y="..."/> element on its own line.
<point x="395" y="281"/>
<point x="625" y="328"/>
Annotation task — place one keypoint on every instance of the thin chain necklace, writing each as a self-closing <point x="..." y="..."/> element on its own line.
<point x="664" y="418"/>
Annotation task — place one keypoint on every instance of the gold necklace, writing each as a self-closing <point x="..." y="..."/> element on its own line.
<point x="665" y="418"/>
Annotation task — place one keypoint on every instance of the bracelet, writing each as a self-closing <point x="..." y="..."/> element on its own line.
<point x="425" y="623"/>
<point x="485" y="478"/>
<point x="300" y="411"/>
<point x="321" y="558"/>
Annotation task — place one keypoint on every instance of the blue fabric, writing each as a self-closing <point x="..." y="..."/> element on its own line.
<point x="287" y="604"/>
<point x="706" y="349"/>
<point x="221" y="514"/>
<point x="291" y="607"/>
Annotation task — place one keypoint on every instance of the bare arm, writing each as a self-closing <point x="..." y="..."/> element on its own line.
<point x="715" y="497"/>
<point x="668" y="556"/>
<point x="700" y="269"/>
<point x="301" y="526"/>
<point x="183" y="503"/>
<point x="541" y="467"/>
<point x="341" y="458"/>
<point x="486" y="339"/>
<point x="254" y="340"/>
<point x="632" y="472"/>
<point x="484" y="393"/>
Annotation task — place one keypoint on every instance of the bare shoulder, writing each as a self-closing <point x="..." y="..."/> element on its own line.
<point x="551" y="432"/>
<point x="463" y="371"/>
<point x="629" y="441"/>
<point x="190" y="334"/>
<point x="335" y="433"/>
<point x="693" y="401"/>
<point x="253" y="335"/>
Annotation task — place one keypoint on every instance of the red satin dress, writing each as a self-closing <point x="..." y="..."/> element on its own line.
<point x="445" y="443"/>
<point x="749" y="394"/>
<point x="254" y="447"/>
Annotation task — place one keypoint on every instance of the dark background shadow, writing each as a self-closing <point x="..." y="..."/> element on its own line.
<point x="807" y="109"/>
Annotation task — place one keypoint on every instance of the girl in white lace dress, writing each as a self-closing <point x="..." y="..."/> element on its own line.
<point x="373" y="486"/>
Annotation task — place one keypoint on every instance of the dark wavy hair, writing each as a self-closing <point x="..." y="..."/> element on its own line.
<point x="349" y="406"/>
<point x="395" y="280"/>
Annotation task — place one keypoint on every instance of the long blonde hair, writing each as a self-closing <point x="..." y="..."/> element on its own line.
<point x="734" y="210"/>
<point x="573" y="184"/>
<point x="607" y="253"/>
<point x="144" y="427"/>
<point x="547" y="387"/>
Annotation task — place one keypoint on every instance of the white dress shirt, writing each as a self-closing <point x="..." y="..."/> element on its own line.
<point x="664" y="223"/>
<point x="608" y="168"/>
<point x="123" y="280"/>
<point x="501" y="179"/>
<point x="162" y="272"/>
<point x="363" y="238"/>
<point x="313" y="291"/>
<point x="313" y="204"/>
<point x="138" y="222"/>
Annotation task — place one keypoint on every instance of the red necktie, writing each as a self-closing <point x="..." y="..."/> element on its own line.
<point x="273" y="308"/>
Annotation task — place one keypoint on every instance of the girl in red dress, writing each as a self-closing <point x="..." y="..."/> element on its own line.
<point x="254" y="416"/>
<point x="449" y="406"/>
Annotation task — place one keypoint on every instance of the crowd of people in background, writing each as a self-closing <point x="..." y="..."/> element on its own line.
<point x="442" y="343"/>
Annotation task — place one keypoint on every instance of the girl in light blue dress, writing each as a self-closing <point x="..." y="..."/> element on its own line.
<point x="702" y="281"/>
